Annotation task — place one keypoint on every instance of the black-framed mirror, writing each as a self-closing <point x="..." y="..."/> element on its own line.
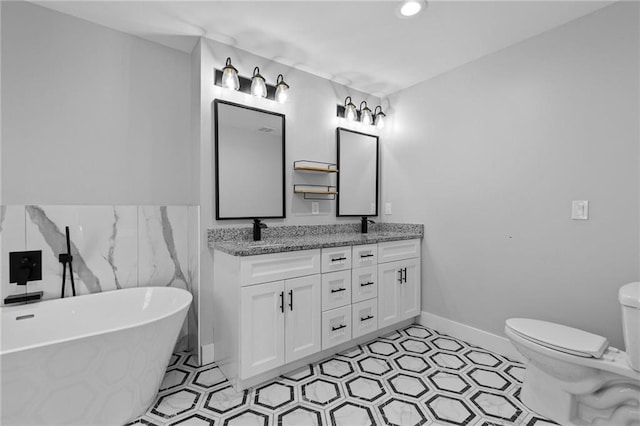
<point x="249" y="162"/>
<point x="358" y="173"/>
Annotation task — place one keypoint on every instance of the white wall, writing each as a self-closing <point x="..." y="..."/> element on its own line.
<point x="90" y="115"/>
<point x="489" y="157"/>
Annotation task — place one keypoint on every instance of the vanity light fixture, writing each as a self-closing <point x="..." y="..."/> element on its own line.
<point x="350" y="111"/>
<point x="258" y="84"/>
<point x="365" y="114"/>
<point x="282" y="89"/>
<point x="378" y="117"/>
<point x="230" y="78"/>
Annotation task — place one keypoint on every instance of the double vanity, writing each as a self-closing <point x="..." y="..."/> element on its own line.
<point x="305" y="293"/>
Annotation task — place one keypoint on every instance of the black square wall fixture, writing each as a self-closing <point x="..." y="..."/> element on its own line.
<point x="25" y="266"/>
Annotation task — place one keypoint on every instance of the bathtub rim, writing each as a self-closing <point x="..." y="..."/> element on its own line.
<point x="184" y="305"/>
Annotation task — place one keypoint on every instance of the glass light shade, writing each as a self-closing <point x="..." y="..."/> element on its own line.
<point x="410" y="7"/>
<point x="230" y="78"/>
<point x="258" y="85"/>
<point x="282" y="89"/>
<point x="378" y="117"/>
<point x="350" y="112"/>
<point x="365" y="114"/>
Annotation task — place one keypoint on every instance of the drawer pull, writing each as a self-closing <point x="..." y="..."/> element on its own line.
<point x="338" y="327"/>
<point x="336" y="290"/>
<point x="366" y="255"/>
<point x="366" y="284"/>
<point x="368" y="317"/>
<point x="337" y="259"/>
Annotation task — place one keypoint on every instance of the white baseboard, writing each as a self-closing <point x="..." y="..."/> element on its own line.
<point x="206" y="354"/>
<point x="477" y="337"/>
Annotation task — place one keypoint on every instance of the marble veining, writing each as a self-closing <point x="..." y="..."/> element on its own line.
<point x="237" y="241"/>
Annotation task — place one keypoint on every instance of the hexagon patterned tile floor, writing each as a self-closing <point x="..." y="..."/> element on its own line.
<point x="414" y="376"/>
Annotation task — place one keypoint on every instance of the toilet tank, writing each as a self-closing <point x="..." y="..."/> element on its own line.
<point x="629" y="297"/>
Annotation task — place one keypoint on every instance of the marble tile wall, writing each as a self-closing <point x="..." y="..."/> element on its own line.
<point x="113" y="247"/>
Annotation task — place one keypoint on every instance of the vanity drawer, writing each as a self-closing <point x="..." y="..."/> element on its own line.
<point x="336" y="327"/>
<point x="336" y="259"/>
<point x="365" y="255"/>
<point x="391" y="251"/>
<point x="336" y="289"/>
<point x="365" y="317"/>
<point x="264" y="268"/>
<point x="364" y="283"/>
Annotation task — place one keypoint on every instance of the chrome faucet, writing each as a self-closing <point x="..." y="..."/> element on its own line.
<point x="257" y="229"/>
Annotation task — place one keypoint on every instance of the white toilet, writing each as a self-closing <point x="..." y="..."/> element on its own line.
<point x="574" y="377"/>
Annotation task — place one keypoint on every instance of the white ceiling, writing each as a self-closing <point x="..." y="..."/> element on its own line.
<point x="360" y="43"/>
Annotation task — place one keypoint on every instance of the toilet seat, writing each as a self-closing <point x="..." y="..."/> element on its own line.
<point x="559" y="337"/>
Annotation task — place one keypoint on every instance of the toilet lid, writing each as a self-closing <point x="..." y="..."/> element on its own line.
<point x="559" y="337"/>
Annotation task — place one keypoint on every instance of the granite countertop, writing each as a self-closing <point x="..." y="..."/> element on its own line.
<point x="237" y="241"/>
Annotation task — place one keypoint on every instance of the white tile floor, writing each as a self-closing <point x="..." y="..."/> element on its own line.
<point x="413" y="376"/>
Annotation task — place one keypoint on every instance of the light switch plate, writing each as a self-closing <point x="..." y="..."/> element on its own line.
<point x="387" y="208"/>
<point x="580" y="210"/>
<point x="315" y="207"/>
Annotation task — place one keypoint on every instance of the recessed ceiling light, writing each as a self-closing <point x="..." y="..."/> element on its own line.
<point x="411" y="7"/>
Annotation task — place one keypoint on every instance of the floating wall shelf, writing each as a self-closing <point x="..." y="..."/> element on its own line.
<point x="316" y="192"/>
<point x="315" y="166"/>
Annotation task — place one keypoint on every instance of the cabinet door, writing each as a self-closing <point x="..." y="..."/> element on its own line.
<point x="410" y="306"/>
<point x="261" y="328"/>
<point x="303" y="314"/>
<point x="389" y="297"/>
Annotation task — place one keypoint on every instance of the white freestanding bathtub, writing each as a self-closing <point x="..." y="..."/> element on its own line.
<point x="96" y="359"/>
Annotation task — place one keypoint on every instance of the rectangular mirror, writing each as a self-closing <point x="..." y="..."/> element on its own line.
<point x="358" y="173"/>
<point x="249" y="162"/>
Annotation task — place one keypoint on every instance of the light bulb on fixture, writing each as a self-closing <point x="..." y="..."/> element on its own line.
<point x="230" y="78"/>
<point x="282" y="89"/>
<point x="350" y="112"/>
<point x="411" y="7"/>
<point x="258" y="85"/>
<point x="378" y="117"/>
<point x="365" y="114"/>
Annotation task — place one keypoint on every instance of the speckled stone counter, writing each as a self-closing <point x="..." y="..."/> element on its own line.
<point x="277" y="239"/>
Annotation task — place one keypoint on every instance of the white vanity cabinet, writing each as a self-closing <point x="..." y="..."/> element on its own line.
<point x="274" y="312"/>
<point x="399" y="281"/>
<point x="279" y="323"/>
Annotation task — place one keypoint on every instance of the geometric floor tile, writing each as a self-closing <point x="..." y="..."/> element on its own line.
<point x="336" y="368"/>
<point x="411" y="376"/>
<point x="173" y="404"/>
<point x="449" y="381"/>
<point x="449" y="409"/>
<point x="349" y="414"/>
<point x="488" y="378"/>
<point x="365" y="388"/>
<point x="447" y="360"/>
<point x="404" y="384"/>
<point x="274" y="395"/>
<point x="496" y="406"/>
<point x="402" y="413"/>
